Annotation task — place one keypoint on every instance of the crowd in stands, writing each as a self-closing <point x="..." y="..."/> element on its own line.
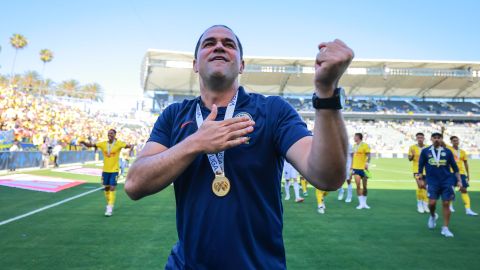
<point x="39" y="120"/>
<point x="43" y="122"/>
<point x="398" y="136"/>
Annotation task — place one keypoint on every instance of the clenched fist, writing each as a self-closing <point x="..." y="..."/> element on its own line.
<point x="331" y="62"/>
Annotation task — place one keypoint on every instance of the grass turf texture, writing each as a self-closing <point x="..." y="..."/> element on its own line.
<point x="76" y="235"/>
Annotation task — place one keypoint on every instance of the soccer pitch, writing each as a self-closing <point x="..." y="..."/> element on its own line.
<point x="391" y="235"/>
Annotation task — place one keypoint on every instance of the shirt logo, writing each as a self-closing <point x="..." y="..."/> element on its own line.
<point x="242" y="114"/>
<point x="185" y="124"/>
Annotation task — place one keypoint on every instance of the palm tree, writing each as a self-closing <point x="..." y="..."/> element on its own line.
<point x="92" y="91"/>
<point x="69" y="88"/>
<point x="31" y="80"/>
<point x="18" y="42"/>
<point x="46" y="56"/>
<point x="47" y="87"/>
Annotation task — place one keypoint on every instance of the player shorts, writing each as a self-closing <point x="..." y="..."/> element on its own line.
<point x="290" y="173"/>
<point x="443" y="189"/>
<point x="360" y="173"/>
<point x="109" y="178"/>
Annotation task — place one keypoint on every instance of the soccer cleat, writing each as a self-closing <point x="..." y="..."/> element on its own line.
<point x="360" y="207"/>
<point x="420" y="208"/>
<point x="287" y="197"/>
<point x="340" y="194"/>
<point x="321" y="210"/>
<point x="446" y="232"/>
<point x="348" y="199"/>
<point x="365" y="206"/>
<point x="305" y="194"/>
<point x="451" y="208"/>
<point x="470" y="212"/>
<point x="108" y="211"/>
<point x="432" y="221"/>
<point x="298" y="200"/>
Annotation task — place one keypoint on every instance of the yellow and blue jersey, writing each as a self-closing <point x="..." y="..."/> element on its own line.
<point x="111" y="155"/>
<point x="460" y="157"/>
<point x="416" y="156"/>
<point x="360" y="155"/>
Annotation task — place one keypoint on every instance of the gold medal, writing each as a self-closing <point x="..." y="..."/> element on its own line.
<point x="220" y="185"/>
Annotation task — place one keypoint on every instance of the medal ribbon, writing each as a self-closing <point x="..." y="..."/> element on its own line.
<point x="436" y="157"/>
<point x="217" y="162"/>
<point x="109" y="147"/>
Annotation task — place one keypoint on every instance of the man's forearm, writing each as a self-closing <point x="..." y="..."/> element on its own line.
<point x="328" y="154"/>
<point x="151" y="174"/>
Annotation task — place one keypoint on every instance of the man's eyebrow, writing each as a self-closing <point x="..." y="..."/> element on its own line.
<point x="214" y="39"/>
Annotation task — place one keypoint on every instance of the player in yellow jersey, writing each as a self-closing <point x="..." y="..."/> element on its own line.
<point x="462" y="162"/>
<point x="361" y="158"/>
<point x="413" y="156"/>
<point x="111" y="159"/>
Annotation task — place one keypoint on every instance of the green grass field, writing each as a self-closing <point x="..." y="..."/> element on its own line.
<point x="391" y="235"/>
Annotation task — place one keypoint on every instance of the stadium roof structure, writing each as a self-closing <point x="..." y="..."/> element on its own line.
<point x="172" y="71"/>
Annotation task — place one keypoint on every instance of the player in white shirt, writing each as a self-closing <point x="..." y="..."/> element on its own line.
<point x="291" y="175"/>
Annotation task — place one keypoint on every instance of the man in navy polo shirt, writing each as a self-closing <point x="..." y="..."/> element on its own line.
<point x="224" y="152"/>
<point x="437" y="161"/>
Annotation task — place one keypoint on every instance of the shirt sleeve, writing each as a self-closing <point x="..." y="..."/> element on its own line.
<point x="162" y="130"/>
<point x="99" y="145"/>
<point x="367" y="149"/>
<point x="464" y="158"/>
<point x="122" y="144"/>
<point x="451" y="161"/>
<point x="289" y="127"/>
<point x="421" y="162"/>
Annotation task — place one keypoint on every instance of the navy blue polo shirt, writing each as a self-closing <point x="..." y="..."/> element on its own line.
<point x="242" y="230"/>
<point x="441" y="173"/>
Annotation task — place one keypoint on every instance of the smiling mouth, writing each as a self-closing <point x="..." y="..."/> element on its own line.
<point x="219" y="58"/>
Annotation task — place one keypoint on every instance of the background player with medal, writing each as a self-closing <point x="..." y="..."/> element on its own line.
<point x="437" y="162"/>
<point x="243" y="228"/>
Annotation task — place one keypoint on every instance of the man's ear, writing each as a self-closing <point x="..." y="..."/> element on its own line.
<point x="242" y="67"/>
<point x="195" y="68"/>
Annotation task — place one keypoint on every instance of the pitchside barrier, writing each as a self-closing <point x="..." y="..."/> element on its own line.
<point x="31" y="159"/>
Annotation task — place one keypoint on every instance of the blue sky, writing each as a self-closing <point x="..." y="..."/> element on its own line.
<point x="105" y="41"/>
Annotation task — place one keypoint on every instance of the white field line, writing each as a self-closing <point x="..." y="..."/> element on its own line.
<point x="48" y="206"/>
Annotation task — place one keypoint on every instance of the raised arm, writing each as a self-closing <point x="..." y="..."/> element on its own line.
<point x="323" y="157"/>
<point x="158" y="166"/>
<point x="88" y="144"/>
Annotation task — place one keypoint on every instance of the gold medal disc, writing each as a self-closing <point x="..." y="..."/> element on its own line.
<point x="220" y="185"/>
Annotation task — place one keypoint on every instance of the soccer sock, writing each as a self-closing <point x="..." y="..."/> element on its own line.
<point x="287" y="188"/>
<point x="349" y="190"/>
<point x="107" y="196"/>
<point x="360" y="200"/>
<point x="296" y="188"/>
<point x="466" y="200"/>
<point x="319" y="195"/>
<point x="304" y="185"/>
<point x="364" y="200"/>
<point x="112" y="198"/>
<point x="419" y="194"/>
